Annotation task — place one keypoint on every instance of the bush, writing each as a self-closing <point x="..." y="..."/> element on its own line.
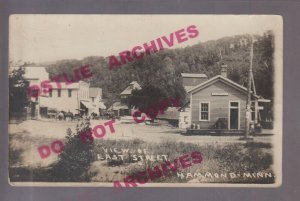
<point x="76" y="158"/>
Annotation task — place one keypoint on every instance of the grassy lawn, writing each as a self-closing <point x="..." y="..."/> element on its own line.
<point x="250" y="157"/>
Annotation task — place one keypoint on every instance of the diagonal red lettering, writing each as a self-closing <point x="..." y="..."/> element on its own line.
<point x="173" y="167"/>
<point x="170" y="42"/>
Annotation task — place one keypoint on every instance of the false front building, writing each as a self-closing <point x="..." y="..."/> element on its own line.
<point x="73" y="98"/>
<point x="77" y="97"/>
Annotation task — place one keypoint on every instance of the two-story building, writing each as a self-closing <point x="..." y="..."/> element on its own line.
<point x="77" y="97"/>
<point x="69" y="98"/>
<point x="35" y="75"/>
<point x="121" y="108"/>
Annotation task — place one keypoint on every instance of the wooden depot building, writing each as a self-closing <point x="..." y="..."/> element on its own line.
<point x="219" y="104"/>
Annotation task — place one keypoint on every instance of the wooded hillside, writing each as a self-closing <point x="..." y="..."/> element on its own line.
<point x="162" y="70"/>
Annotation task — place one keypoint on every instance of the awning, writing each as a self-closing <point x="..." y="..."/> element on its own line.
<point x="118" y="106"/>
<point x="102" y="106"/>
<point x="87" y="104"/>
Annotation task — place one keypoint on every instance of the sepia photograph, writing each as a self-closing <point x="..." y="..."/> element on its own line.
<point x="145" y="100"/>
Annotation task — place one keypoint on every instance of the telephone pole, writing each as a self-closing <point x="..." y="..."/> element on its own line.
<point x="248" y="106"/>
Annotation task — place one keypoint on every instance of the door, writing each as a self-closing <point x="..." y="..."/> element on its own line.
<point x="33" y="112"/>
<point x="234" y="115"/>
<point x="44" y="111"/>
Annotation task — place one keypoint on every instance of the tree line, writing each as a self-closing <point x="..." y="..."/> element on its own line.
<point x="160" y="73"/>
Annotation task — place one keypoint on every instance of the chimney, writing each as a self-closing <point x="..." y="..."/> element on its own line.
<point x="224" y="70"/>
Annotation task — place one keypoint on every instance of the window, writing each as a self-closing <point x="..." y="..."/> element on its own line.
<point x="93" y="99"/>
<point x="204" y="111"/>
<point x="50" y="92"/>
<point x="58" y="92"/>
<point x="252" y="111"/>
<point x="234" y="104"/>
<point x="35" y="93"/>
<point x="70" y="93"/>
<point x="185" y="120"/>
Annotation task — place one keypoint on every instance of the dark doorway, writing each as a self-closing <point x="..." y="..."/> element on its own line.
<point x="33" y="111"/>
<point x="234" y="115"/>
<point x="83" y="109"/>
<point x="43" y="112"/>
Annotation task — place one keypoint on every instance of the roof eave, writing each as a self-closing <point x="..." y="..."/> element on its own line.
<point x="236" y="85"/>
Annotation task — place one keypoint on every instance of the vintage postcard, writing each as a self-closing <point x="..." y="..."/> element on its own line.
<point x="145" y="100"/>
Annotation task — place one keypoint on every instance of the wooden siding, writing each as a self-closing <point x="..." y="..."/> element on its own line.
<point x="193" y="81"/>
<point x="219" y="105"/>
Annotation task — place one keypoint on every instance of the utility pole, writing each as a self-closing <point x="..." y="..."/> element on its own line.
<point x="248" y="107"/>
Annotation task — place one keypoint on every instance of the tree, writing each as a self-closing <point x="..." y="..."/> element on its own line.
<point x="147" y="96"/>
<point x="18" y="98"/>
<point x="264" y="71"/>
<point x="76" y="158"/>
<point x="151" y="96"/>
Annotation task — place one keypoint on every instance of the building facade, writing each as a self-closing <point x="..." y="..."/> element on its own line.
<point x="77" y="98"/>
<point x="95" y="95"/>
<point x="121" y="108"/>
<point x="189" y="80"/>
<point x="34" y="75"/>
<point x="220" y="103"/>
<point x="218" y="99"/>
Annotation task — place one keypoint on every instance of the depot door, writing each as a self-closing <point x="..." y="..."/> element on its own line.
<point x="234" y="115"/>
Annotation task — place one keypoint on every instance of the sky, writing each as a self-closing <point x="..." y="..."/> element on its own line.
<point x="46" y="38"/>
